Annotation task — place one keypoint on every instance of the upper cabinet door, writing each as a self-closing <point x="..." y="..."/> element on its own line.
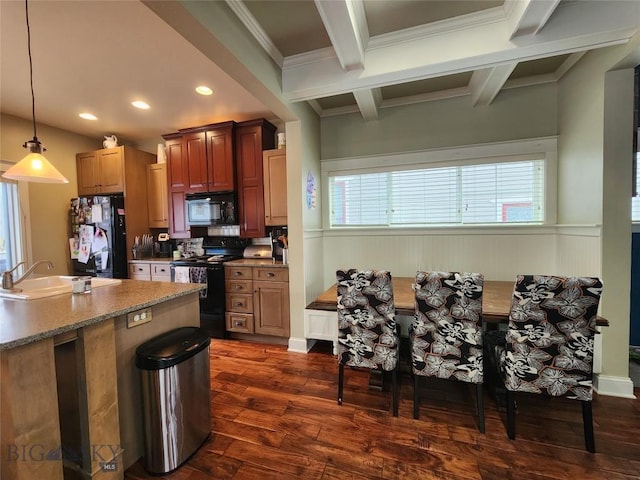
<point x="196" y="156"/>
<point x="87" y="167"/>
<point x="220" y="156"/>
<point x="177" y="179"/>
<point x="177" y="168"/>
<point x="111" y="170"/>
<point x="157" y="195"/>
<point x="251" y="139"/>
<point x="275" y="187"/>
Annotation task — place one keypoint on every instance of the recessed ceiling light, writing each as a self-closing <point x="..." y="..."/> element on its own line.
<point x="141" y="105"/>
<point x="202" y="90"/>
<point x="88" y="116"/>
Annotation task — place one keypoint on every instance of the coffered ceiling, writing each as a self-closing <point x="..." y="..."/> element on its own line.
<point x="341" y="56"/>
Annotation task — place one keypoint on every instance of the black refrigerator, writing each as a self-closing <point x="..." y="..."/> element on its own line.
<point x="98" y="236"/>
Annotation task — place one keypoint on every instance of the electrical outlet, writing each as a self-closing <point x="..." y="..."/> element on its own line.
<point x="138" y="317"/>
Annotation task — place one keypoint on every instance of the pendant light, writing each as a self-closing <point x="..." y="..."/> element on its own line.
<point x="34" y="167"/>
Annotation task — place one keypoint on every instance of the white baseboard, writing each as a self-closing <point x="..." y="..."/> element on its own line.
<point x="613" y="386"/>
<point x="300" y="345"/>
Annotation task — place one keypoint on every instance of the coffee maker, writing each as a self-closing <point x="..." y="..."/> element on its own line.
<point x="277" y="245"/>
<point x="163" y="246"/>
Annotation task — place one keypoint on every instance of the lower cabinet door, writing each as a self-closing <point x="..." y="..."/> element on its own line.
<point x="271" y="308"/>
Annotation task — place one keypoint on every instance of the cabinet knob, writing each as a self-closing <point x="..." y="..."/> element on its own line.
<point x="239" y="304"/>
<point x="237" y="274"/>
<point x="237" y="324"/>
<point x="238" y="287"/>
<point x="271" y="274"/>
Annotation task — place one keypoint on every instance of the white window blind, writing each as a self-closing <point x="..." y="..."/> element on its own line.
<point x="505" y="192"/>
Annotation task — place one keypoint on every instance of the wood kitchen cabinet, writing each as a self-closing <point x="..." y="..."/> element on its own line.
<point x="101" y="171"/>
<point x="200" y="159"/>
<point x="221" y="173"/>
<point x="194" y="155"/>
<point x="119" y="170"/>
<point x="150" y="271"/>
<point x="251" y="139"/>
<point x="271" y="301"/>
<point x="274" y="166"/>
<point x="177" y="180"/>
<point x="157" y="202"/>
<point x="257" y="300"/>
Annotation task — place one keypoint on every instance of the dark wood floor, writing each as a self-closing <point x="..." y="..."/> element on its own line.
<point x="275" y="416"/>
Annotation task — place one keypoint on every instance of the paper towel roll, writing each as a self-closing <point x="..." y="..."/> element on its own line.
<point x="162" y="156"/>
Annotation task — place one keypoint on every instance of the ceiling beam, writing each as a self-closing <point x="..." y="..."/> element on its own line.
<point x="485" y="84"/>
<point x="347" y="28"/>
<point x="422" y="53"/>
<point x="368" y="101"/>
<point x="249" y="21"/>
<point x="528" y="17"/>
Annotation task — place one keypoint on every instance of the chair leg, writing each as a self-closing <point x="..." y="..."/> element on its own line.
<point x="511" y="414"/>
<point x="340" y="382"/>
<point x="416" y="396"/>
<point x="587" y="420"/>
<point x="480" y="407"/>
<point x="394" y="376"/>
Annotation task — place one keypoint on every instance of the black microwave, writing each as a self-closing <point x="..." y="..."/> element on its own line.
<point x="205" y="209"/>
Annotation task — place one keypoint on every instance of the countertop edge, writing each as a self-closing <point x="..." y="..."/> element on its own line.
<point x="97" y="319"/>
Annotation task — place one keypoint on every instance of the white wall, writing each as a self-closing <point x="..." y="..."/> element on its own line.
<point x="498" y="253"/>
<point x="594" y="184"/>
<point x="515" y="114"/>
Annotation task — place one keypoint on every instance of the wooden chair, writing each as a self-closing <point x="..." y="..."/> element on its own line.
<point x="367" y="330"/>
<point x="548" y="348"/>
<point x="446" y="334"/>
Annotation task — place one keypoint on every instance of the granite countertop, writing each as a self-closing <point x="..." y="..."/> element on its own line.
<point x="26" y="321"/>
<point x="256" y="262"/>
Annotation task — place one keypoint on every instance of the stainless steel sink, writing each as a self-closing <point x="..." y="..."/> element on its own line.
<point x="43" y="287"/>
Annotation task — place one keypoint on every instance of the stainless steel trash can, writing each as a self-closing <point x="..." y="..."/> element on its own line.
<point x="174" y="370"/>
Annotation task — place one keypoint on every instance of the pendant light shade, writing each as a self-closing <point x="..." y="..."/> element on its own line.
<point x="34" y="167"/>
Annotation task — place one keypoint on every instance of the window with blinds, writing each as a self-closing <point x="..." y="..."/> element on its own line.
<point x="488" y="193"/>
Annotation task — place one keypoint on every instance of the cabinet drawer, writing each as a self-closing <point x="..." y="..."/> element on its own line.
<point x="240" y="303"/>
<point x="238" y="286"/>
<point x="271" y="274"/>
<point x="233" y="273"/>
<point x="139" y="269"/>
<point x="160" y="270"/>
<point x="239" y="322"/>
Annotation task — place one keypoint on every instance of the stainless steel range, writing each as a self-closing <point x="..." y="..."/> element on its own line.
<point x="209" y="269"/>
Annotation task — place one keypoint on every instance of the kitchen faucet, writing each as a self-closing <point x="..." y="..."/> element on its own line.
<point x="8" y="282"/>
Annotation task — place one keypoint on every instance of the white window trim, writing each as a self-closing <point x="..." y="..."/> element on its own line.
<point x="543" y="147"/>
<point x="24" y="209"/>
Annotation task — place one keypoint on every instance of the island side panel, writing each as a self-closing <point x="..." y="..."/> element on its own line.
<point x="29" y="413"/>
<point x="98" y="388"/>
<point x="180" y="312"/>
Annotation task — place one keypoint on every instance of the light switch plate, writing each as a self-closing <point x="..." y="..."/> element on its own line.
<point x="138" y="317"/>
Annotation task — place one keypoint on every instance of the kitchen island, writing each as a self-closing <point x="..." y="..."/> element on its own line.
<point x="70" y="394"/>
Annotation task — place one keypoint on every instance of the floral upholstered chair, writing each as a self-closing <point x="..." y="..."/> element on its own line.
<point x="548" y="347"/>
<point x="367" y="330"/>
<point x="446" y="334"/>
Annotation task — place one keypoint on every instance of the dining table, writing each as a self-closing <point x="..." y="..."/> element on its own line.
<point x="496" y="300"/>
